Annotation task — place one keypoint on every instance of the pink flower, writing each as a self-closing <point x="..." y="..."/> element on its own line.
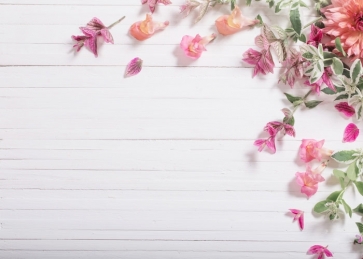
<point x="358" y="240"/>
<point x="262" y="143"/>
<point x="262" y="61"/>
<point x="351" y="133"/>
<point x="311" y="149"/>
<point x="145" y="29"/>
<point x="189" y="6"/>
<point x="229" y="24"/>
<point x="298" y="215"/>
<point x="344" y="19"/>
<point x="309" y="180"/>
<point x="325" y="78"/>
<point x="345" y="108"/>
<point x="293" y="68"/>
<point x="134" y="67"/>
<point x="315" y="36"/>
<point x="320" y="251"/>
<point x="89" y="39"/>
<point x="152" y="3"/>
<point x="194" y="47"/>
<point x="96" y="25"/>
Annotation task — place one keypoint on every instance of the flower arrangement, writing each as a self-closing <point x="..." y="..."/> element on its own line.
<point x="324" y="55"/>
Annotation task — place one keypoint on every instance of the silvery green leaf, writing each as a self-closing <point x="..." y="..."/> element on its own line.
<point x="278" y="32"/>
<point x="339" y="46"/>
<point x="320" y="51"/>
<point x="279" y="49"/>
<point x="355" y="70"/>
<point x="337" y="66"/>
<point x="295" y="20"/>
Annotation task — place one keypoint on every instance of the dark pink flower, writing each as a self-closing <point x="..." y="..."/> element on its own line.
<point x="262" y="61"/>
<point x="320" y="251"/>
<point x="351" y="133"/>
<point x="345" y="108"/>
<point x="96" y="25"/>
<point x="325" y="78"/>
<point x="315" y="36"/>
<point x="152" y="3"/>
<point x="89" y="39"/>
<point x="298" y="215"/>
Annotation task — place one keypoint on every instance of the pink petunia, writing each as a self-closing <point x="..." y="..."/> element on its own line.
<point x="345" y="108"/>
<point x="351" y="133"/>
<point x="298" y="215"/>
<point x="152" y="3"/>
<point x="194" y="46"/>
<point x="309" y="181"/>
<point x="311" y="149"/>
<point x="262" y="61"/>
<point x="320" y="251"/>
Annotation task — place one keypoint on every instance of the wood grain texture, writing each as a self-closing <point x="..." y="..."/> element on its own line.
<point x="161" y="165"/>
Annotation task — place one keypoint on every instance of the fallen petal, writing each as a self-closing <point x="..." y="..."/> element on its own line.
<point x="351" y="133"/>
<point x="345" y="108"/>
<point x="134" y="67"/>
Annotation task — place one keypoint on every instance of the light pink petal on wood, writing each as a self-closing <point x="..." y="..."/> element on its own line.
<point x="134" y="67"/>
<point x="351" y="133"/>
<point x="345" y="108"/>
<point x="107" y="36"/>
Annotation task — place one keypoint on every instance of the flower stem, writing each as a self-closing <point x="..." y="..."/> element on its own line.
<point x="118" y="21"/>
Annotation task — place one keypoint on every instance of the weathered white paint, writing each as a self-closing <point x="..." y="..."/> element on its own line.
<point x="161" y="165"/>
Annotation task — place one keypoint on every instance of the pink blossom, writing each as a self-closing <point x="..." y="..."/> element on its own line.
<point x="359" y="239"/>
<point x="293" y="68"/>
<point x="194" y="46"/>
<point x="152" y="3"/>
<point x="262" y="61"/>
<point x="320" y="251"/>
<point x="309" y="180"/>
<point x="311" y="149"/>
<point x="325" y="79"/>
<point x="96" y="25"/>
<point x="298" y="215"/>
<point x="269" y="142"/>
<point x="351" y="133"/>
<point x="145" y="29"/>
<point x="89" y="39"/>
<point x="315" y="36"/>
<point x="345" y="108"/>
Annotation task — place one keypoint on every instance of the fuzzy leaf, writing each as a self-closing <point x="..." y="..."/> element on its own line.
<point x="295" y="20"/>
<point x="334" y="196"/>
<point x="342" y="97"/>
<point x="281" y="54"/>
<point x="352" y="171"/>
<point x="345" y="156"/>
<point x="327" y="90"/>
<point x="337" y="66"/>
<point x="320" y="207"/>
<point x="312" y="104"/>
<point x="347" y="208"/>
<point x="359" y="209"/>
<point x="339" y="46"/>
<point x="339" y="174"/>
<point x="302" y="38"/>
<point x="359" y="186"/>
<point x="360" y="227"/>
<point x="291" y="98"/>
<point x="355" y="70"/>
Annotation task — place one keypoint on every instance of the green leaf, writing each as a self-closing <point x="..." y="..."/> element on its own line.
<point x="334" y="196"/>
<point x="355" y="70"/>
<point x="347" y="208"/>
<point x="352" y="171"/>
<point x="329" y="91"/>
<point x="312" y="104"/>
<point x="320" y="207"/>
<point x="302" y="38"/>
<point x="271" y="4"/>
<point x="295" y="20"/>
<point x="337" y="66"/>
<point x="360" y="227"/>
<point x="291" y="98"/>
<point x="328" y="55"/>
<point x="302" y="4"/>
<point x="290" y="121"/>
<point x="260" y="19"/>
<point x="339" y="47"/>
<point x="277" y="7"/>
<point x="338" y="173"/>
<point x="345" y="156"/>
<point x="321" y="51"/>
<point x="307" y="55"/>
<point x="359" y="209"/>
<point x="342" y="97"/>
<point x="248" y="2"/>
<point x="233" y="3"/>
<point x="359" y="186"/>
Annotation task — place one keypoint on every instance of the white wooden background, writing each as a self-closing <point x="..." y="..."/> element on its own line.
<point x="161" y="165"/>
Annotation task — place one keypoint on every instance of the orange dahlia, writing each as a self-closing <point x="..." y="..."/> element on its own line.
<point x="344" y="19"/>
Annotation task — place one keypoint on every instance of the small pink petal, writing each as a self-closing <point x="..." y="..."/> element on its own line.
<point x="295" y="211"/>
<point x="301" y="221"/>
<point x="107" y="36"/>
<point x="345" y="108"/>
<point x="351" y="133"/>
<point x="315" y="249"/>
<point x="271" y="144"/>
<point x="328" y="253"/>
<point x="134" y="67"/>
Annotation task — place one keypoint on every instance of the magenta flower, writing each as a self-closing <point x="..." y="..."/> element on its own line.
<point x="298" y="215"/>
<point x="320" y="251"/>
<point x="351" y="133"/>
<point x="293" y="68"/>
<point x="194" y="46"/>
<point x="311" y="149"/>
<point x="152" y="3"/>
<point x="309" y="180"/>
<point x="262" y="61"/>
<point x="345" y="108"/>
<point x="96" y="25"/>
<point x="315" y="36"/>
<point x="325" y="79"/>
<point x="89" y="39"/>
<point x="134" y="67"/>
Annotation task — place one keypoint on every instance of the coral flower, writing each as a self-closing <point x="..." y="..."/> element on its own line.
<point x="311" y="149"/>
<point x="147" y="28"/>
<point x="309" y="180"/>
<point x="229" y="24"/>
<point x="194" y="47"/>
<point x="344" y="19"/>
